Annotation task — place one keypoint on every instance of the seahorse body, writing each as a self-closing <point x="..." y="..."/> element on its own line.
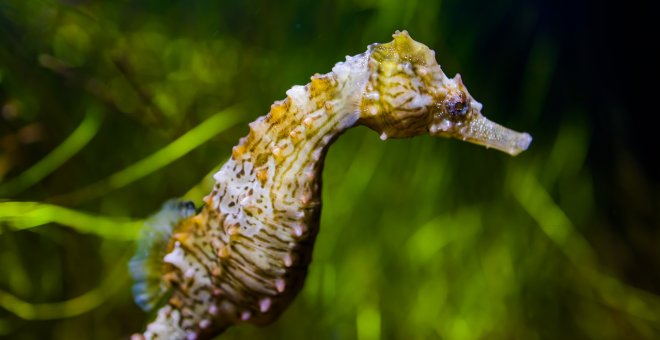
<point x="244" y="257"/>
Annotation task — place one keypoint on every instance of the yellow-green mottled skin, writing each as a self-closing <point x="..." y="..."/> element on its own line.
<point x="244" y="257"/>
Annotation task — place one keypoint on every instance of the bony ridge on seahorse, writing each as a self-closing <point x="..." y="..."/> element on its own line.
<point x="244" y="256"/>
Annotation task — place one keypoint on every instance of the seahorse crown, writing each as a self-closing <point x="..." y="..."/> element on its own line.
<point x="244" y="256"/>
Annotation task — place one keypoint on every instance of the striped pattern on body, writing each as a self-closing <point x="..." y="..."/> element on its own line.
<point x="244" y="256"/>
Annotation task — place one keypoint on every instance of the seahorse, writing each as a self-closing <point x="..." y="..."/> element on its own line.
<point x="244" y="256"/>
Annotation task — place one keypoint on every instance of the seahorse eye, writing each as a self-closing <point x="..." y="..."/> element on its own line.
<point x="457" y="106"/>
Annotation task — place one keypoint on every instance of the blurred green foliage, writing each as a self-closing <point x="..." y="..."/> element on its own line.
<point x="110" y="108"/>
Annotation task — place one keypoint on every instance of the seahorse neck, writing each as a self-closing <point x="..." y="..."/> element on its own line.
<point x="274" y="172"/>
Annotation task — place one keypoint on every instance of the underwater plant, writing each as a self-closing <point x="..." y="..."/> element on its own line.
<point x="244" y="256"/>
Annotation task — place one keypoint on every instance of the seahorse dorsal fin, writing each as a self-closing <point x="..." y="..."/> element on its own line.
<point x="146" y="265"/>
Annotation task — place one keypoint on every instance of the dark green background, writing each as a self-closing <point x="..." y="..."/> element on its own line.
<point x="420" y="239"/>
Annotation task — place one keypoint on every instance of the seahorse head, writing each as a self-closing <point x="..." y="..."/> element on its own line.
<point x="408" y="95"/>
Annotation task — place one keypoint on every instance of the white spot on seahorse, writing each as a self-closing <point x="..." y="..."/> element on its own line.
<point x="246" y="315"/>
<point x="277" y="151"/>
<point x="308" y="122"/>
<point x="297" y="229"/>
<point x="298" y="95"/>
<point x="176" y="257"/>
<point x="246" y="200"/>
<point x="205" y="323"/>
<point x="373" y="95"/>
<point x="264" y="305"/>
<point x="288" y="260"/>
<point x="280" y="284"/>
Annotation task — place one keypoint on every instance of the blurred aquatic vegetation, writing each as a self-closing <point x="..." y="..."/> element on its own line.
<point x="108" y="109"/>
